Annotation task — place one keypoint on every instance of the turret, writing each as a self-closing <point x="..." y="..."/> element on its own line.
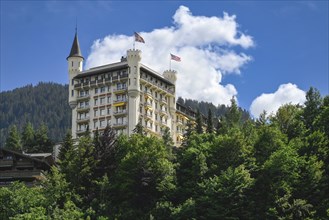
<point x="133" y="58"/>
<point x="75" y="62"/>
<point x="170" y="75"/>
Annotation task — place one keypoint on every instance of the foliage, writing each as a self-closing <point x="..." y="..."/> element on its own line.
<point x="44" y="103"/>
<point x="273" y="167"/>
<point x="13" y="141"/>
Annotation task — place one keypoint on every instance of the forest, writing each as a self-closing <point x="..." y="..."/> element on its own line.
<point x="42" y="104"/>
<point x="273" y="167"/>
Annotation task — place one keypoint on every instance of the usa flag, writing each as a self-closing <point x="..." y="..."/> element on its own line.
<point x="139" y="38"/>
<point x="174" y="57"/>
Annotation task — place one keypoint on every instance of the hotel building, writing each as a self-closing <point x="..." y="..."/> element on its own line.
<point x="123" y="94"/>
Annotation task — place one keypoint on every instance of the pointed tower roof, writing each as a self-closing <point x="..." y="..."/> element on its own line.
<point x="75" y="50"/>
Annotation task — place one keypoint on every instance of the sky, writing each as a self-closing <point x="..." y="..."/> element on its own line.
<point x="265" y="54"/>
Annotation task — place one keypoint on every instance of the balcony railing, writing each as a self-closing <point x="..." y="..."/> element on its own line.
<point x="24" y="164"/>
<point x="83" y="119"/>
<point x="21" y="174"/>
<point x="6" y="163"/>
<point x="120" y="112"/>
<point x="119" y="100"/>
<point x="163" y="101"/>
<point x="119" y="124"/>
<point x="83" y="97"/>
<point x="116" y="90"/>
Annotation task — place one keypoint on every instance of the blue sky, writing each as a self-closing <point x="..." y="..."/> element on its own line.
<point x="288" y="53"/>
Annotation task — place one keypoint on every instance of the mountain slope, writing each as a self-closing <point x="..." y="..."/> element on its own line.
<point x="44" y="103"/>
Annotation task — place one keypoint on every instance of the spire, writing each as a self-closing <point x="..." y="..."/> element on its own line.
<point x="75" y="50"/>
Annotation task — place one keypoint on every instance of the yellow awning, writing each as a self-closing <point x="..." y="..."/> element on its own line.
<point x="149" y="107"/>
<point x="148" y="96"/>
<point x="118" y="104"/>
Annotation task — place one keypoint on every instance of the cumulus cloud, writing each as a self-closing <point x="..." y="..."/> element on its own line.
<point x="286" y="93"/>
<point x="205" y="45"/>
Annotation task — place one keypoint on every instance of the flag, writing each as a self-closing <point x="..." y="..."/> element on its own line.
<point x="174" y="57"/>
<point x="139" y="38"/>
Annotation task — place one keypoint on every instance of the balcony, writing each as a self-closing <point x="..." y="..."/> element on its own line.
<point x="6" y="163"/>
<point x="163" y="101"/>
<point x="180" y="122"/>
<point x="119" y="90"/>
<point x="148" y="105"/>
<point x="83" y="97"/>
<point x="120" y="112"/>
<point x="79" y="120"/>
<point x="81" y="131"/>
<point x="24" y="164"/>
<point x="21" y="174"/>
<point x="83" y="108"/>
<point x="163" y="112"/>
<point x="148" y="116"/>
<point x="119" y="124"/>
<point x="77" y="85"/>
<point x="119" y="100"/>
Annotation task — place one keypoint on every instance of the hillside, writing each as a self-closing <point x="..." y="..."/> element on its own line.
<point x="44" y="103"/>
<point x="47" y="103"/>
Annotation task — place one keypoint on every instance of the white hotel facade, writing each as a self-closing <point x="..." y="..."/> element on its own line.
<point x="123" y="94"/>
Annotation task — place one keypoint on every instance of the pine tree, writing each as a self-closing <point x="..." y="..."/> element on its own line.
<point x="198" y="121"/>
<point x="210" y="125"/>
<point x="139" y="129"/>
<point x="166" y="137"/>
<point x="13" y="141"/>
<point x="312" y="107"/>
<point x="42" y="142"/>
<point x="28" y="137"/>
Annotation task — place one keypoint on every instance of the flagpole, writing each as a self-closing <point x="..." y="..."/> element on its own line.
<point x="170" y="63"/>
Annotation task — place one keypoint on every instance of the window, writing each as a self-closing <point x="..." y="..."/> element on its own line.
<point x="102" y="89"/>
<point x="96" y="101"/>
<point x="72" y="93"/>
<point x="95" y="124"/>
<point x="102" y="123"/>
<point x="108" y="111"/>
<point x="72" y="63"/>
<point x="96" y="90"/>
<point x="156" y="94"/>
<point x="96" y="112"/>
<point x="102" y="100"/>
<point x="102" y="111"/>
<point x="109" y="99"/>
<point x="72" y="83"/>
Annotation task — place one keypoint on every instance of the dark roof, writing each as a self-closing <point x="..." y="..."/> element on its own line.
<point x="75" y="50"/>
<point x="26" y="156"/>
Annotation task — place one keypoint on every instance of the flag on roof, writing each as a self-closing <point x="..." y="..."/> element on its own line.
<point x="139" y="38"/>
<point x="174" y="57"/>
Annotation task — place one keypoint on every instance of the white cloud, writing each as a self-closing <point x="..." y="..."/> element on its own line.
<point x="205" y="45"/>
<point x="286" y="93"/>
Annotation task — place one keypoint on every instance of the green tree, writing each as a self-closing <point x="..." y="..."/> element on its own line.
<point x="19" y="199"/>
<point x="225" y="196"/>
<point x="312" y="107"/>
<point x="233" y="115"/>
<point x="13" y="141"/>
<point x="42" y="141"/>
<point x="166" y="137"/>
<point x="139" y="129"/>
<point x="210" y="124"/>
<point x="199" y="123"/>
<point x="144" y="176"/>
<point x="288" y="119"/>
<point x="28" y="140"/>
